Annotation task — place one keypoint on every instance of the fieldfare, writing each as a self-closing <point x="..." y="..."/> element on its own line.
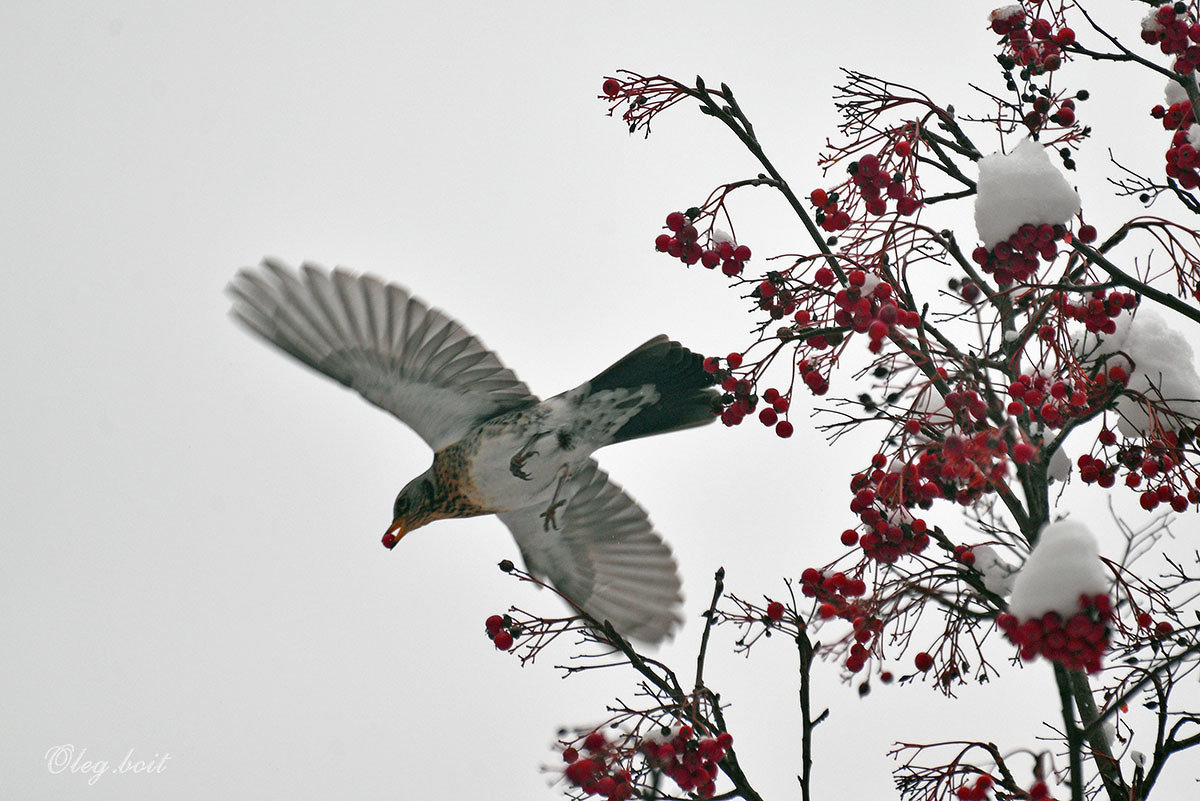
<point x="498" y="449"/>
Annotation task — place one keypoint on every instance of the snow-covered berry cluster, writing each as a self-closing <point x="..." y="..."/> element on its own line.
<point x="877" y="187"/>
<point x="596" y="773"/>
<point x="1077" y="643"/>
<point x="977" y="790"/>
<point x="1172" y="28"/>
<point x="682" y="243"/>
<point x="502" y="631"/>
<point x="691" y="762"/>
<point x="1035" y="46"/>
<point x="1017" y="258"/>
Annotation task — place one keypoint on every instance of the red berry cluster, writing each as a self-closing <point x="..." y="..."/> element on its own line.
<point x="813" y="379"/>
<point x="829" y="216"/>
<point x="1172" y="28"/>
<point x="1098" y="314"/>
<point x="773" y="296"/>
<point x="872" y="311"/>
<point x="1161" y="629"/>
<point x="1077" y="643"/>
<point x="885" y="540"/>
<point x="966" y="466"/>
<point x="835" y="593"/>
<point x="877" y="187"/>
<point x="739" y="399"/>
<point x="691" y="763"/>
<point x="769" y="416"/>
<point x="501" y="630"/>
<point x="1182" y="159"/>
<point x="775" y="611"/>
<point x="595" y="774"/>
<point x="1151" y="468"/>
<point x="682" y="244"/>
<point x="1037" y="47"/>
<point x="977" y="791"/>
<point x="1176" y="116"/>
<point x="1064" y="115"/>
<point x="1016" y="258"/>
<point x="1053" y="403"/>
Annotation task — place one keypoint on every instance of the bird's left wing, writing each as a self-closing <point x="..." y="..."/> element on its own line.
<point x="605" y="556"/>
<point x="376" y="338"/>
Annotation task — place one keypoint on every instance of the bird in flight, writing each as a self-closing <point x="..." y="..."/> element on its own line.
<point x="498" y="449"/>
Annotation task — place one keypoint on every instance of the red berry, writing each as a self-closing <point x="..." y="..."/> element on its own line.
<point x="735" y="360"/>
<point x="611" y="87"/>
<point x="819" y="198"/>
<point x="1087" y="233"/>
<point x="775" y="611"/>
<point x="784" y="429"/>
<point x="493" y="624"/>
<point x="923" y="661"/>
<point x="676" y="221"/>
<point x="1023" y="453"/>
<point x="663" y="242"/>
<point x="503" y="640"/>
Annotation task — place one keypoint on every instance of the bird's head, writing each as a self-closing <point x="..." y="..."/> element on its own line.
<point x="415" y="506"/>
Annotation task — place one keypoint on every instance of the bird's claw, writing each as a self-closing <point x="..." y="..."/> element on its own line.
<point x="548" y="518"/>
<point x="518" y="462"/>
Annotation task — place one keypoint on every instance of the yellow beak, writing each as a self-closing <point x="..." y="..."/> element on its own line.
<point x="394" y="533"/>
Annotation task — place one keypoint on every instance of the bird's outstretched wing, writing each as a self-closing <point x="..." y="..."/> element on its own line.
<point x="376" y="338"/>
<point x="606" y="556"/>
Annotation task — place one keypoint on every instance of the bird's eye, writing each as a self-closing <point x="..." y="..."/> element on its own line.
<point x="400" y="508"/>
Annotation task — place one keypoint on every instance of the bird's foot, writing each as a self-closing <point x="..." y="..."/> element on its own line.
<point x="548" y="516"/>
<point x="517" y="464"/>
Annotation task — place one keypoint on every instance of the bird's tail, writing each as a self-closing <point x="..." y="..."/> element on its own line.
<point x="686" y="395"/>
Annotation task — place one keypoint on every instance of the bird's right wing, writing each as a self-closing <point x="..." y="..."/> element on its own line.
<point x="376" y="338"/>
<point x="605" y="556"/>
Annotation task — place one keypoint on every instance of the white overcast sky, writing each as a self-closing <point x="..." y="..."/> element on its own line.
<point x="190" y="562"/>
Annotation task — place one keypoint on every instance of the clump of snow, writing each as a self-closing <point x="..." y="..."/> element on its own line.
<point x="1163" y="369"/>
<point x="1060" y="465"/>
<point x="869" y="283"/>
<point x="1174" y="93"/>
<point x="998" y="575"/>
<point x="720" y="235"/>
<point x="1064" y="565"/>
<point x="1005" y="12"/>
<point x="1021" y="187"/>
<point x="1193" y="135"/>
<point x="1150" y="22"/>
